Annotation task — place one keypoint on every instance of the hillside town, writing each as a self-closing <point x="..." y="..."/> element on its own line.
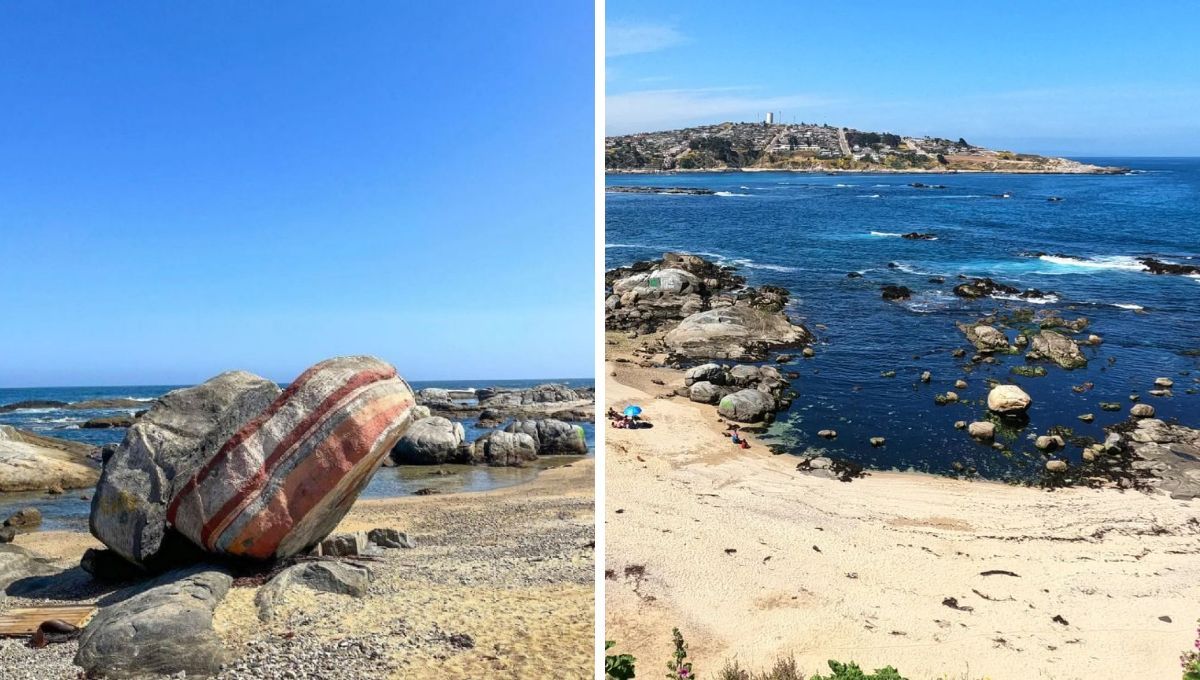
<point x="768" y="145"/>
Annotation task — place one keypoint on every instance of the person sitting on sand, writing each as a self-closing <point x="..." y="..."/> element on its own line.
<point x="734" y="437"/>
<point x="612" y="414"/>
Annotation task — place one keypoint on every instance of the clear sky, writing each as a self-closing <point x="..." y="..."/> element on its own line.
<point x="194" y="187"/>
<point x="1080" y="78"/>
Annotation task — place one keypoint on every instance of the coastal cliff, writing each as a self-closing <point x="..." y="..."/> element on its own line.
<point x="818" y="148"/>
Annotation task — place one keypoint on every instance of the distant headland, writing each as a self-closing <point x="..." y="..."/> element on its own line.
<point x="808" y="147"/>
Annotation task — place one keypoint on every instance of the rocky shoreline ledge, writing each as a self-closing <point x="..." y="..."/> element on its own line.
<point x="236" y="483"/>
<point x="683" y="312"/>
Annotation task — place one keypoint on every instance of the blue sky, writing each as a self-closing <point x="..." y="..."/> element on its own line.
<point x="1080" y="78"/>
<point x="194" y="187"/>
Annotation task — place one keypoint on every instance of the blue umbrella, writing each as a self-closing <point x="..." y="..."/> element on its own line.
<point x="633" y="411"/>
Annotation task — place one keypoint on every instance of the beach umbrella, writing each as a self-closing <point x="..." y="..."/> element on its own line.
<point x="633" y="411"/>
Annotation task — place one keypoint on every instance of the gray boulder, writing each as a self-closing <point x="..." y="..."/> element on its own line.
<point x="164" y="628"/>
<point x="552" y="436"/>
<point x="1056" y="347"/>
<point x="710" y="373"/>
<point x="500" y="449"/>
<point x="706" y="392"/>
<point x="738" y="332"/>
<point x="389" y="538"/>
<point x="325" y="576"/>
<point x="172" y="440"/>
<point x="431" y="441"/>
<point x="745" y="375"/>
<point x="746" y="406"/>
<point x="17" y="563"/>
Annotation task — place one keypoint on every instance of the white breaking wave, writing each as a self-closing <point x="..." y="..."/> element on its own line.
<point x="870" y="196"/>
<point x="886" y="233"/>
<point x="1043" y="300"/>
<point x="1115" y="262"/>
<point x="751" y="264"/>
<point x="1129" y="305"/>
<point x="729" y="193"/>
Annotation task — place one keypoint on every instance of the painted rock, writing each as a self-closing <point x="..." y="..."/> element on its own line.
<point x="285" y="479"/>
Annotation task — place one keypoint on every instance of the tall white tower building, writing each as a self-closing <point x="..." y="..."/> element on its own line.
<point x="770" y="117"/>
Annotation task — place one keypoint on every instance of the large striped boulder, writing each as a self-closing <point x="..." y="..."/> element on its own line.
<point x="286" y="478"/>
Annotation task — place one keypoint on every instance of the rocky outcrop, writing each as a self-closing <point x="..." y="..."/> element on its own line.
<point x="106" y="422"/>
<point x="493" y="405"/>
<point x="500" y="449"/>
<point x="1165" y="456"/>
<point x="31" y="462"/>
<point x="164" y="628"/>
<point x="985" y="287"/>
<point x="1156" y="266"/>
<point x="738" y="333"/>
<point x="325" y="576"/>
<point x="430" y="441"/>
<point x="894" y="292"/>
<point x="704" y="392"/>
<point x="1056" y="347"/>
<point x="552" y="436"/>
<point x="1008" y="400"/>
<point x="172" y="440"/>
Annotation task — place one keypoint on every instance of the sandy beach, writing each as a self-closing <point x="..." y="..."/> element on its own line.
<point x="752" y="559"/>
<point x="499" y="585"/>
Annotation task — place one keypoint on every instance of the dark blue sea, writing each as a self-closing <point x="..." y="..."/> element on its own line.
<point x="71" y="509"/>
<point x="807" y="231"/>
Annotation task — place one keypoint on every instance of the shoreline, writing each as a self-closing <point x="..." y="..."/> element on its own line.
<point x="863" y="570"/>
<point x="873" y="171"/>
<point x="512" y="568"/>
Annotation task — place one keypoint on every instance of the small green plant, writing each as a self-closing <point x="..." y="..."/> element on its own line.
<point x="680" y="667"/>
<point x="1190" y="660"/>
<point x="851" y="671"/>
<point x="784" y="669"/>
<point x="617" y="666"/>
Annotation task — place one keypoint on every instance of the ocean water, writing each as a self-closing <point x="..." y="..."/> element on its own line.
<point x="806" y="232"/>
<point x="70" y="510"/>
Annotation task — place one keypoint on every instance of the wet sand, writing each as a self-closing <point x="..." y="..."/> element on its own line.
<point x="752" y="560"/>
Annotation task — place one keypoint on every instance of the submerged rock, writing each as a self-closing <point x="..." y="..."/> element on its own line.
<point x="985" y="338"/>
<point x="1058" y="348"/>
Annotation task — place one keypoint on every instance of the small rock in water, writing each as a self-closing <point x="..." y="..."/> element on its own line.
<point x="887" y="374"/>
<point x="1087" y="417"/>
<point x="960" y="424"/>
<point x="926" y="377"/>
<point x="943" y="399"/>
<point x="1049" y="443"/>
<point x="25" y="518"/>
<point x="1095" y="339"/>
<point x="808" y="352"/>
<point x="1163" y="382"/>
<point x="960" y="384"/>
<point x="1056" y="466"/>
<point x="1142" y="411"/>
<point x="1109" y="406"/>
<point x="1008" y="400"/>
<point x="828" y="434"/>
<point x="982" y="430"/>
<point x="878" y="441"/>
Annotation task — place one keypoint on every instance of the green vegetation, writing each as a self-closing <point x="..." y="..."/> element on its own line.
<point x="617" y="666"/>
<point x="1190" y="660"/>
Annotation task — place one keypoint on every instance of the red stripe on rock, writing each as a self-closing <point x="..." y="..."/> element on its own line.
<point x="260" y="477"/>
<point x="309" y="483"/>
